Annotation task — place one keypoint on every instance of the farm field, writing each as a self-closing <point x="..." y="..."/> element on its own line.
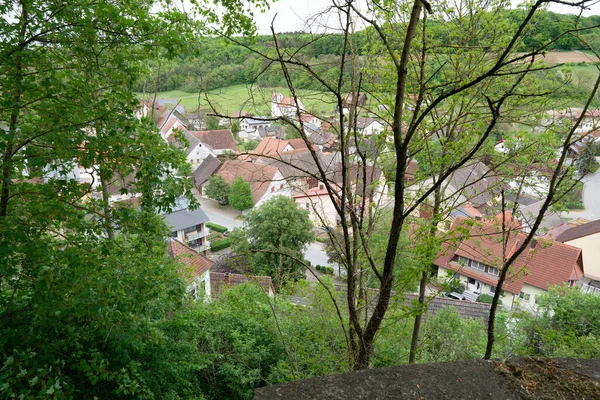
<point x="239" y="97"/>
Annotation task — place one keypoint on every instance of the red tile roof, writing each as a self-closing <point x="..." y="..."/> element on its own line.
<point x="545" y="263"/>
<point x="271" y="146"/>
<point x="258" y="175"/>
<point x="221" y="139"/>
<point x="193" y="263"/>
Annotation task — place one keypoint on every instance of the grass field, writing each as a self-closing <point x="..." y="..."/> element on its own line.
<point x="239" y="97"/>
<point x="257" y="101"/>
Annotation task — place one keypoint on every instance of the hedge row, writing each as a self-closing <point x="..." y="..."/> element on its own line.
<point x="216" y="227"/>
<point x="220" y="244"/>
<point x="324" y="269"/>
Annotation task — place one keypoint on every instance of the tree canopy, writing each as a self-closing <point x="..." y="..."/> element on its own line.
<point x="240" y="195"/>
<point x="278" y="225"/>
<point x="217" y="189"/>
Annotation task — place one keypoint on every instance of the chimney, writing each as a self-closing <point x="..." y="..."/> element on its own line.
<point x="227" y="278"/>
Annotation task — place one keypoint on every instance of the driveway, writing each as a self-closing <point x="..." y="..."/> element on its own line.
<point x="219" y="214"/>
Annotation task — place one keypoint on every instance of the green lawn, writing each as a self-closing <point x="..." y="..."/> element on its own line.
<point x="239" y="97"/>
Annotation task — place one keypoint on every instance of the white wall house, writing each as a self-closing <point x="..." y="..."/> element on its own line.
<point x="476" y="261"/>
<point x="285" y="106"/>
<point x="318" y="203"/>
<point x="189" y="227"/>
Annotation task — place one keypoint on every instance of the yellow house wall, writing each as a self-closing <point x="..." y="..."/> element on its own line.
<point x="590" y="246"/>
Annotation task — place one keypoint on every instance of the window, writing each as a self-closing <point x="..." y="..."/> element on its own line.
<point x="173" y="234"/>
<point x="493" y="271"/>
<point x="471" y="281"/>
<point x="190" y="229"/>
<point x="492" y="289"/>
<point x="477" y="265"/>
<point x="524" y="296"/>
<point x="307" y="206"/>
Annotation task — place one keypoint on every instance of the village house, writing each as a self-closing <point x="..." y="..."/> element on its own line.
<point x="169" y="121"/>
<point x="299" y="168"/>
<point x="195" y="269"/>
<point x="285" y="106"/>
<point x="351" y="100"/>
<point x="589" y="122"/>
<point x="188" y="226"/>
<point x="265" y="181"/>
<point x="476" y="260"/>
<point x="218" y="142"/>
<point x="195" y="151"/>
<point x="473" y="183"/>
<point x="249" y="128"/>
<point x="209" y="167"/>
<point x="368" y="126"/>
<point x="318" y="203"/>
<point x="587" y="238"/>
<point x="273" y="147"/>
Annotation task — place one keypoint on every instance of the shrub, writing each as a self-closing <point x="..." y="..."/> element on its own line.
<point x="487" y="298"/>
<point x="216" y="227"/>
<point x="456" y="286"/>
<point x="220" y="244"/>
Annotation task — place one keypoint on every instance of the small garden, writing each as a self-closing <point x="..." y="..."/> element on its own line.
<point x="218" y="237"/>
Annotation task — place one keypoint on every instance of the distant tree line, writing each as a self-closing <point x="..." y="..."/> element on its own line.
<point x="213" y="63"/>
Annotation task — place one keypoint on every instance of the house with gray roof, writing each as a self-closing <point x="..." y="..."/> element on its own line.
<point x="188" y="226"/>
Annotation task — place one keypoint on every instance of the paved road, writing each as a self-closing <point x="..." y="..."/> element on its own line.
<point x="591" y="196"/>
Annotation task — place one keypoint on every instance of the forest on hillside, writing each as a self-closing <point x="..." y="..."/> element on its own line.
<point x="213" y="63"/>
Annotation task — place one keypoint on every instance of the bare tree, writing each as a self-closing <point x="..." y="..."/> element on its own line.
<point x="453" y="90"/>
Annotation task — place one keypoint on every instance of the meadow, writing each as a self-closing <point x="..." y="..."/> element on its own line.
<point x="254" y="100"/>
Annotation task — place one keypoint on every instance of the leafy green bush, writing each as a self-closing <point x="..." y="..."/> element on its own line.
<point x="216" y="227"/>
<point x="487" y="298"/>
<point x="456" y="286"/>
<point x="220" y="244"/>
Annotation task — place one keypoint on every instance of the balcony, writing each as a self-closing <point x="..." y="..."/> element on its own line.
<point x="590" y="289"/>
<point x="195" y="235"/>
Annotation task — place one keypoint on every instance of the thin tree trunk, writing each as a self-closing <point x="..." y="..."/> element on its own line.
<point x="14" y="115"/>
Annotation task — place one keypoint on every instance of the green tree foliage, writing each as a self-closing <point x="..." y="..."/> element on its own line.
<point x="240" y="196"/>
<point x="221" y="65"/>
<point x="217" y="189"/>
<point x="586" y="161"/>
<point x="275" y="229"/>
<point x="238" y="338"/>
<point x="86" y="287"/>
<point x="567" y="325"/>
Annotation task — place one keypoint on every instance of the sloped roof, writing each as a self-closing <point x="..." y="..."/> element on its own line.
<point x="272" y="131"/>
<point x="193" y="142"/>
<point x="259" y="176"/>
<point x="194" y="264"/>
<point x="218" y="282"/>
<point x="221" y="139"/>
<point x="272" y="146"/>
<point x="545" y="263"/>
<point x="580" y="231"/>
<point x="475" y="183"/>
<point x="296" y="164"/>
<point x="118" y="182"/>
<point x="209" y="166"/>
<point x="185" y="218"/>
